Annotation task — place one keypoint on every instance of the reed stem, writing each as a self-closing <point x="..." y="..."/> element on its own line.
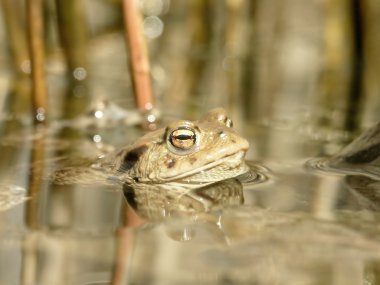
<point x="37" y="59"/>
<point x="138" y="56"/>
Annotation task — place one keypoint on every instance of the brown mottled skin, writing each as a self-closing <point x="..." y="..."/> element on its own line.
<point x="218" y="155"/>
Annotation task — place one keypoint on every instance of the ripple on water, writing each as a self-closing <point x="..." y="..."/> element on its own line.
<point x="11" y="196"/>
<point x="339" y="166"/>
<point x="257" y="174"/>
<point x="319" y="164"/>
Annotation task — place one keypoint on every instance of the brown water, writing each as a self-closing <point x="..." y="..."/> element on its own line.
<point x="284" y="224"/>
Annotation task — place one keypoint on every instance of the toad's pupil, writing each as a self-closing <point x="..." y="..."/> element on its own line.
<point x="184" y="137"/>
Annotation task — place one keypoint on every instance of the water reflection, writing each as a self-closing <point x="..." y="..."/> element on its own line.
<point x="366" y="190"/>
<point x="264" y="247"/>
<point x="50" y="231"/>
<point x="156" y="202"/>
<point x="360" y="157"/>
<point x="12" y="195"/>
<point x="358" y="162"/>
<point x="283" y="226"/>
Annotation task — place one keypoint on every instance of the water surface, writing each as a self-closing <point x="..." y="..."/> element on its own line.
<point x="61" y="222"/>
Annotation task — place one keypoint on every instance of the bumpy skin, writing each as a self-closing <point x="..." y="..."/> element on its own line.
<point x="219" y="155"/>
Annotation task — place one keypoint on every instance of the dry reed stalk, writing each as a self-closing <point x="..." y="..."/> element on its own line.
<point x="138" y="56"/>
<point x="37" y="59"/>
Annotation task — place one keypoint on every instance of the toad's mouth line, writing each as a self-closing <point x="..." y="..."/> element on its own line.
<point x="237" y="157"/>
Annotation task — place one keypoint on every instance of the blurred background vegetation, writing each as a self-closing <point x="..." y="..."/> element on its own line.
<point x="277" y="62"/>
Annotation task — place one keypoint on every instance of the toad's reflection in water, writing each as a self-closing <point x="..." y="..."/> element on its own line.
<point x="157" y="202"/>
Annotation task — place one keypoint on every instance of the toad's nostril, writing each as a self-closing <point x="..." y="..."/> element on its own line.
<point x="229" y="123"/>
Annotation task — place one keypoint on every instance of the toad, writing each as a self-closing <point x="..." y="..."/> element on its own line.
<point x="185" y="153"/>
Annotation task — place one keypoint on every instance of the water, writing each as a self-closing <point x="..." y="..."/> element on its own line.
<point x="11" y="196"/>
<point x="290" y="220"/>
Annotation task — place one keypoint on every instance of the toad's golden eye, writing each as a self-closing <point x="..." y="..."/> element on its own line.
<point x="183" y="138"/>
